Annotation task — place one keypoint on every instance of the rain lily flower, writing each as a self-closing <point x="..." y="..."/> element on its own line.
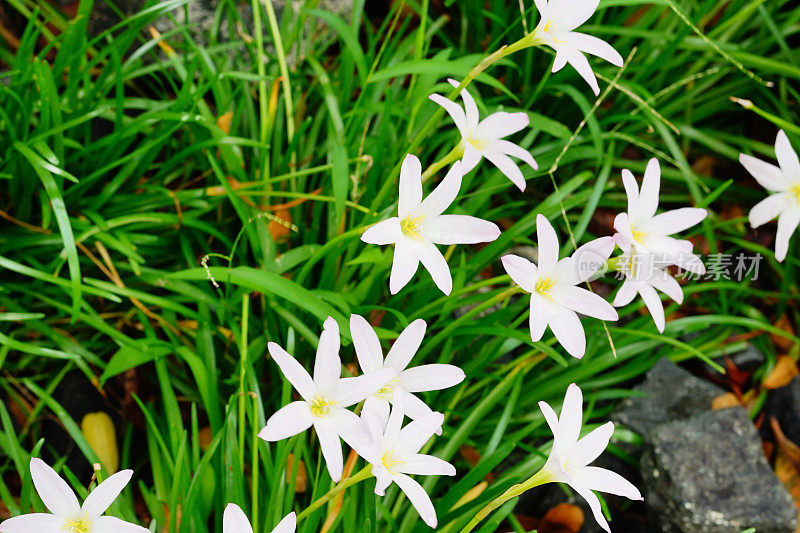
<point x="784" y="185"/>
<point x="67" y="514"/>
<point x="641" y="228"/>
<point x="409" y="380"/>
<point x="235" y="521"/>
<point x="324" y="400"/>
<point x="643" y="277"/>
<point x="570" y="455"/>
<point x="485" y="138"/>
<point x="555" y="29"/>
<point x="420" y="226"/>
<point x="553" y="285"/>
<point x="395" y="454"/>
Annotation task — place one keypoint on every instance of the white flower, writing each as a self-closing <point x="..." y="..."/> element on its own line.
<point x="325" y="399"/>
<point x="409" y="380"/>
<point x="570" y="455"/>
<point x="650" y="233"/>
<point x="642" y="276"/>
<point x="485" y="138"/>
<point x="67" y="514"/>
<point x="558" y="20"/>
<point x="395" y="454"/>
<point x="421" y="225"/>
<point x="235" y="521"/>
<point x="784" y="184"/>
<point x="555" y="296"/>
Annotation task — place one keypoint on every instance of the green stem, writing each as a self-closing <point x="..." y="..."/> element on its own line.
<point x="243" y="367"/>
<point x="254" y="467"/>
<point x="363" y="474"/>
<point x="539" y="478"/>
<point x="453" y="155"/>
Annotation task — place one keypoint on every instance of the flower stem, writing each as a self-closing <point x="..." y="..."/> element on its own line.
<point x="539" y="478"/>
<point x="453" y="155"/>
<point x="363" y="474"/>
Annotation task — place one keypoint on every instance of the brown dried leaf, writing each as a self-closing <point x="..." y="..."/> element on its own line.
<point x="224" y="121"/>
<point x="563" y="518"/>
<point x="281" y="225"/>
<point x="784" y="324"/>
<point x="301" y="481"/>
<point x="723" y="401"/>
<point x="787" y="464"/>
<point x="785" y="369"/>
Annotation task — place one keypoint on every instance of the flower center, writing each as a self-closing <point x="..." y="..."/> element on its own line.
<point x="321" y="407"/>
<point x="638" y="236"/>
<point x="795" y="191"/>
<point x="78" y="525"/>
<point x="390" y="462"/>
<point x="411" y="226"/>
<point x="387" y="391"/>
<point x="479" y="144"/>
<point x="543" y="285"/>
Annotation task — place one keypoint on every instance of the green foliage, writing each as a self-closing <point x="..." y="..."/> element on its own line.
<point x="121" y="176"/>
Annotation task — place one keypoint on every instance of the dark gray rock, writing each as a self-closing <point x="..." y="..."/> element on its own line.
<point x="747" y="359"/>
<point x="708" y="474"/>
<point x="669" y="393"/>
<point x="784" y="404"/>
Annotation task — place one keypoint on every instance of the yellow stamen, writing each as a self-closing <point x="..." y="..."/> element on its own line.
<point x="387" y="390"/>
<point x="795" y="191"/>
<point x="638" y="236"/>
<point x="390" y="463"/>
<point x="411" y="226"/>
<point x="79" y="525"/>
<point x="321" y="407"/>
<point x="479" y="144"/>
<point x="544" y="284"/>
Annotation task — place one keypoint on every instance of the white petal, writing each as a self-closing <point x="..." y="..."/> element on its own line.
<point x="406" y="345"/>
<point x="648" y="195"/>
<point x="382" y="479"/>
<point x="561" y="58"/>
<point x="654" y="305"/>
<point x="460" y="229"/>
<point x="767" y="209"/>
<point x="435" y="263"/>
<point x="350" y="391"/>
<point x="537" y="321"/>
<point x="366" y="344"/>
<point x="54" y="491"/>
<point x="327" y="365"/>
<point x="541" y="6"/>
<point x="412" y="437"/>
<point x="626" y="293"/>
<point x="416" y="408"/>
<point x="287" y="525"/>
<point x="570" y="15"/>
<point x="571" y="418"/>
<point x="588" y="259"/>
<point x="675" y="221"/>
<point x="455" y="111"/>
<point x="105" y="493"/>
<point x="501" y="124"/>
<point x="418" y="498"/>
<point x="331" y="447"/>
<point x="33" y="523"/>
<point x="787" y="157"/>
<point x="597" y="47"/>
<point x="431" y="377"/>
<point x="111" y="524"/>
<point x="766" y="174"/>
<point x="591" y="446"/>
<point x="507" y="166"/>
<point x="384" y="232"/>
<point x="604" y="480"/>
<point x="427" y="465"/>
<point x="355" y="432"/>
<point x="787" y="223"/>
<point x="551" y="418"/>
<point x="443" y="195"/>
<point x="624" y="235"/>
<point x="662" y="281"/>
<point x="471" y="157"/>
<point x="585" y="302"/>
<point x="235" y="521"/>
<point x="287" y="421"/>
<point x="631" y="189"/>
<point x="379" y="409"/>
<point x="410" y="186"/>
<point x="523" y="272"/>
<point x="395" y="422"/>
<point x="568" y="330"/>
<point x="404" y="265"/>
<point x="579" y="63"/>
<point x="293" y="371"/>
<point x="548" y="246"/>
<point x="515" y="150"/>
<point x="594" y="504"/>
<point x="470" y="107"/>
